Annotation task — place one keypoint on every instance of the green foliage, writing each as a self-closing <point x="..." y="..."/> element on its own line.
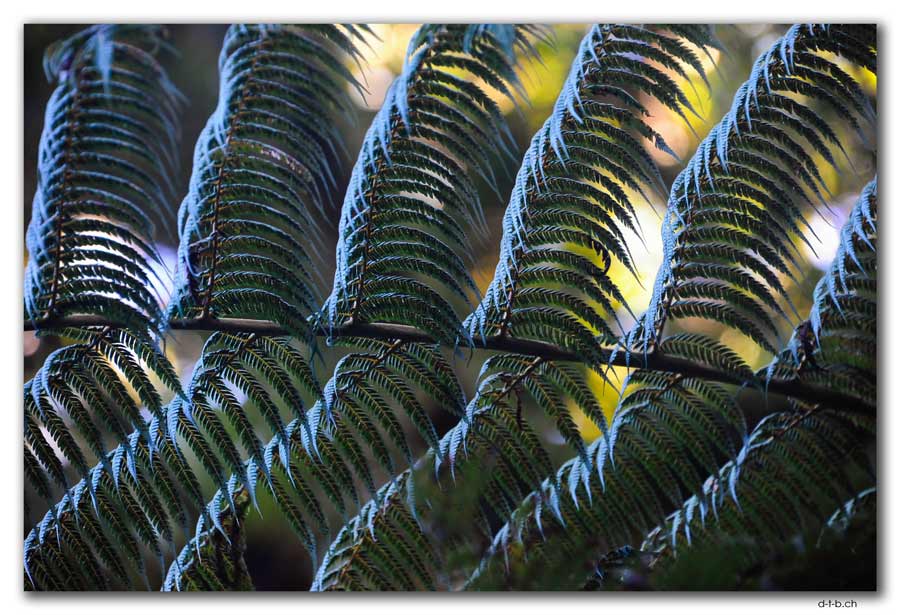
<point x="413" y="198"/>
<point x="97" y="535"/>
<point x="668" y="434"/>
<point x="214" y="559"/>
<point x="570" y="191"/>
<point x="105" y="168"/>
<point x="139" y="487"/>
<point x="738" y="207"/>
<point x="836" y="344"/>
<point x="491" y="447"/>
<point x="838" y="557"/>
<point x="317" y="460"/>
<point x="262" y="174"/>
<point x="382" y="548"/>
<point x="791" y="470"/>
<point x="84" y="392"/>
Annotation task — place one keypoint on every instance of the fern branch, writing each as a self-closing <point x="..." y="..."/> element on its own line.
<point x="106" y="162"/>
<point x="382" y="548"/>
<point x="320" y="449"/>
<point x="262" y="165"/>
<point x="677" y="441"/>
<point x="732" y="212"/>
<point x="836" y="344"/>
<point x="491" y="440"/>
<point x="636" y="474"/>
<point x="805" y="459"/>
<point x="216" y="563"/>
<point x="413" y="193"/>
<point x="667" y="430"/>
<point x="572" y="189"/>
<point x="489" y="424"/>
<point x="131" y="499"/>
<point x="790" y="474"/>
<point x="83" y="391"/>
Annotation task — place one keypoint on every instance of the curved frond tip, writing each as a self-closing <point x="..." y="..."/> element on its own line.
<point x="570" y="210"/>
<point x="105" y="167"/>
<point x="413" y="196"/>
<point x="736" y="213"/>
<point x="263" y="175"/>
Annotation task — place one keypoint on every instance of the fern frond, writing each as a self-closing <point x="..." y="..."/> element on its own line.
<point x="836" y="346"/>
<point x="139" y="486"/>
<point x="321" y="459"/>
<point x="733" y="211"/>
<point x="572" y="189"/>
<point x="833" y="555"/>
<point x="491" y="431"/>
<point x="105" y="167"/>
<point x="214" y="559"/>
<point x="492" y="447"/>
<point x="87" y="391"/>
<point x="382" y="548"/>
<point x="268" y="371"/>
<point x="262" y="164"/>
<point x="668" y="434"/>
<point x="105" y="524"/>
<point x="413" y="195"/>
<point x="396" y="521"/>
<point x="792" y="471"/>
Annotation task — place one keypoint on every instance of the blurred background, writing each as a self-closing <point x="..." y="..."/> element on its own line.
<point x="279" y="563"/>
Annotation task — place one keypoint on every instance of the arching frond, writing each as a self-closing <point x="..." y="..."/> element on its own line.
<point x="834" y="555"/>
<point x="267" y="372"/>
<point x="315" y="459"/>
<point x="792" y="471"/>
<point x="736" y="209"/>
<point x="99" y="534"/>
<point x="329" y="453"/>
<point x="263" y="173"/>
<point x="668" y="434"/>
<point x="381" y="548"/>
<point x="491" y="447"/>
<point x="140" y="486"/>
<point x="413" y="195"/>
<point x="570" y="207"/>
<point x="105" y="167"/>
<point x="836" y="346"/>
<point x="86" y="392"/>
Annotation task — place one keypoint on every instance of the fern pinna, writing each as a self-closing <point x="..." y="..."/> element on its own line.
<point x="572" y="189"/>
<point x="413" y="198"/>
<point x="741" y="198"/>
<point x="348" y="414"/>
<point x="262" y="175"/>
<point x="105" y="169"/>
